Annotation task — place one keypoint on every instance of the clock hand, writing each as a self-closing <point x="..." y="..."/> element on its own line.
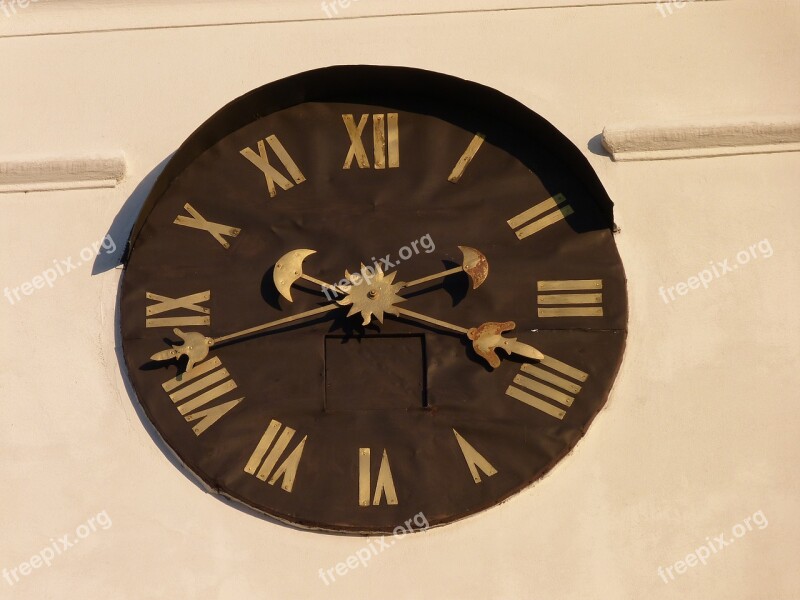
<point x="474" y="265"/>
<point x="485" y="338"/>
<point x="196" y="345"/>
<point x="289" y="269"/>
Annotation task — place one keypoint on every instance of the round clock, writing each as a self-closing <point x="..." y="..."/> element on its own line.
<point x="363" y="293"/>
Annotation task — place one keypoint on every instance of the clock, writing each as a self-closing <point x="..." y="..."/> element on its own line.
<point x="362" y="293"/>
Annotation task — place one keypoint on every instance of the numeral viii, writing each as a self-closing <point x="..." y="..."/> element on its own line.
<point x="210" y="382"/>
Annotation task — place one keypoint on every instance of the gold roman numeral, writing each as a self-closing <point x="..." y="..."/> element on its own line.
<point x="548" y="383"/>
<point x="288" y="468"/>
<point x="535" y="213"/>
<point x="197" y="221"/>
<point x="384" y="485"/>
<point x="474" y="459"/>
<point x="466" y="158"/>
<point x="187" y="303"/>
<point x="583" y="292"/>
<point x="380" y="139"/>
<point x="210" y="383"/>
<point x="271" y="174"/>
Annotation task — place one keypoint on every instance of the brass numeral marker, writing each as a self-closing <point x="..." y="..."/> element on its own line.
<point x="271" y="174"/>
<point x="189" y="303"/>
<point x="381" y="140"/>
<point x="588" y="294"/>
<point x="210" y="383"/>
<point x="197" y="221"/>
<point x="541" y="381"/>
<point x="466" y="158"/>
<point x="558" y="202"/>
<point x="474" y="459"/>
<point x="288" y="468"/>
<point x="384" y="485"/>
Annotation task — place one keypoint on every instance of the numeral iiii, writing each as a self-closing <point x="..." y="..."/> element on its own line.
<point x="544" y="383"/>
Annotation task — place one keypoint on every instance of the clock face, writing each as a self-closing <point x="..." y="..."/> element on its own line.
<point x="452" y="335"/>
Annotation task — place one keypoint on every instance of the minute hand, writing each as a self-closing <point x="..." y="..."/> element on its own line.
<point x="485" y="338"/>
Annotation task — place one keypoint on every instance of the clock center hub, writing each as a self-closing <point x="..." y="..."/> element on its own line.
<point x="372" y="297"/>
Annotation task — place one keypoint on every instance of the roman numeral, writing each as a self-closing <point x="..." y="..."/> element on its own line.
<point x="547" y="383"/>
<point x="381" y="141"/>
<point x="474" y="459"/>
<point x="558" y="202"/>
<point x="584" y="292"/>
<point x="197" y="221"/>
<point x="271" y="174"/>
<point x="288" y="468"/>
<point x="187" y="303"/>
<point x="210" y="383"/>
<point x="466" y="158"/>
<point x="384" y="485"/>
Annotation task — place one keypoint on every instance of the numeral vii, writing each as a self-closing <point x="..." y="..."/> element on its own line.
<point x="544" y="383"/>
<point x="212" y="382"/>
<point x="189" y="303"/>
<point x="288" y="468"/>
<point x="384" y="485"/>
<point x="539" y="222"/>
<point x="271" y="174"/>
<point x="380" y="141"/>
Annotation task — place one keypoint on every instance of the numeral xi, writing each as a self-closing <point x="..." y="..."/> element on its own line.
<point x="271" y="174"/>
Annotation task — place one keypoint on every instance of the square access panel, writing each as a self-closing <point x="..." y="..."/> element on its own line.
<point x="378" y="372"/>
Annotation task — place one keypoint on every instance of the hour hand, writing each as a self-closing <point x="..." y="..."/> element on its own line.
<point x="195" y="346"/>
<point x="488" y="337"/>
<point x="474" y="265"/>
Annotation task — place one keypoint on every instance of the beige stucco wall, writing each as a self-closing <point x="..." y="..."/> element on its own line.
<point x="701" y="429"/>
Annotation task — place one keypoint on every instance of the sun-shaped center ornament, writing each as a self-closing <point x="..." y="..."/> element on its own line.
<point x="372" y="297"/>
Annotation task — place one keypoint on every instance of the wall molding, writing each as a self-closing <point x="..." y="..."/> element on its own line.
<point x="49" y="174"/>
<point x="58" y="17"/>
<point x="696" y="140"/>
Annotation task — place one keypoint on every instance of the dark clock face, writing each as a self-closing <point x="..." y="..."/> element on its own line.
<point x="452" y="336"/>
